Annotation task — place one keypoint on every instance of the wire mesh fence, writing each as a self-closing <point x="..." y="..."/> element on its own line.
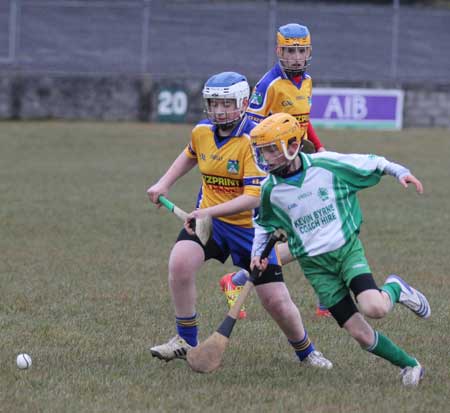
<point x="196" y="38"/>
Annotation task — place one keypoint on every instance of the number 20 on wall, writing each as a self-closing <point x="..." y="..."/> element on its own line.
<point x="172" y="105"/>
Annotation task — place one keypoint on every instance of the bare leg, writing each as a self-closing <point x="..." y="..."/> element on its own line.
<point x="186" y="258"/>
<point x="377" y="343"/>
<point x="284" y="254"/>
<point x="277" y="301"/>
<point x="374" y="303"/>
<point x="360" y="330"/>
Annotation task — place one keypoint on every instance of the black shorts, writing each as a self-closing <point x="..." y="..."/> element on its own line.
<point x="212" y="250"/>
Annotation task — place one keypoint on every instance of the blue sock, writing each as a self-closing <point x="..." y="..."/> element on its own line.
<point x="240" y="278"/>
<point x="303" y="347"/>
<point x="187" y="329"/>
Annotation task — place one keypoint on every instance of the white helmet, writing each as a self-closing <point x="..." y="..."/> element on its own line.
<point x="234" y="90"/>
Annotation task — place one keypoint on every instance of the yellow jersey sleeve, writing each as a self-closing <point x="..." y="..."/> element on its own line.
<point x="252" y="175"/>
<point x="190" y="151"/>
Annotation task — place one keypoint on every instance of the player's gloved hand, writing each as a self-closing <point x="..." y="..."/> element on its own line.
<point x="405" y="180"/>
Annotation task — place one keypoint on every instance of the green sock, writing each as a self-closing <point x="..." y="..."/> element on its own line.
<point x="387" y="349"/>
<point x="393" y="290"/>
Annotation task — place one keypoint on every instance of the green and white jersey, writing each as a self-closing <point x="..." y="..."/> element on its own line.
<point x="318" y="207"/>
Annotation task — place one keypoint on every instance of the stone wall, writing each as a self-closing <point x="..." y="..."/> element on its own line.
<point x="43" y="97"/>
<point x="428" y="107"/>
<point x="136" y="98"/>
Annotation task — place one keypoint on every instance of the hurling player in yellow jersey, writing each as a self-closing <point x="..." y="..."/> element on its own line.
<point x="220" y="147"/>
<point x="286" y="88"/>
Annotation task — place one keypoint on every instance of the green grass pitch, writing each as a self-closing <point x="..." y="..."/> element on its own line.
<point x="83" y="281"/>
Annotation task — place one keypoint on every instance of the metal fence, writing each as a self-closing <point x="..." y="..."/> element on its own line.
<point x="196" y="38"/>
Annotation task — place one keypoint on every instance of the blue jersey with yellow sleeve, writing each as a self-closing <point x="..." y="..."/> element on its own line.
<point x="276" y="93"/>
<point x="227" y="166"/>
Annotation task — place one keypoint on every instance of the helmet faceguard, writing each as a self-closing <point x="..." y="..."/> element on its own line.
<point x="225" y="97"/>
<point x="273" y="141"/>
<point x="294" y="49"/>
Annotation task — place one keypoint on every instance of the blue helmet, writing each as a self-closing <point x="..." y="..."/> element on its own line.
<point x="294" y="48"/>
<point x="229" y="87"/>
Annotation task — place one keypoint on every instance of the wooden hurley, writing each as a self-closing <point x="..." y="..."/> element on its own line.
<point x="207" y="356"/>
<point x="201" y="227"/>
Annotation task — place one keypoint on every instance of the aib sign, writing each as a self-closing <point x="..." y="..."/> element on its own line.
<point x="357" y="108"/>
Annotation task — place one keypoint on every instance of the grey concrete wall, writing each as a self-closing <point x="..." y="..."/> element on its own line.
<point x="128" y="98"/>
<point x="5" y="98"/>
<point x="71" y="97"/>
<point x="427" y="107"/>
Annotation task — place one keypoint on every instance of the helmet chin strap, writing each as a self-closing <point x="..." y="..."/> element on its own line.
<point x="229" y="125"/>
<point x="285" y="170"/>
<point x="293" y="73"/>
<point x="286" y="154"/>
<point x="282" y="170"/>
<point x="290" y="73"/>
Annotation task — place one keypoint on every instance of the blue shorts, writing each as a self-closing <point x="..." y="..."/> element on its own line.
<point x="228" y="239"/>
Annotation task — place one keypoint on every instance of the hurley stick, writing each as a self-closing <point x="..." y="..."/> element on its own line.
<point x="207" y="356"/>
<point x="202" y="227"/>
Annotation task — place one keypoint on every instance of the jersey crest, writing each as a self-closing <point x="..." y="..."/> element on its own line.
<point x="233" y="166"/>
<point x="322" y="193"/>
<point x="256" y="99"/>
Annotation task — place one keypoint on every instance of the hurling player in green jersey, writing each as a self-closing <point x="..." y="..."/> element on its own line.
<point x="314" y="199"/>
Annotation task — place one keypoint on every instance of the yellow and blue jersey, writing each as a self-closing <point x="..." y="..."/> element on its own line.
<point x="227" y="166"/>
<point x="275" y="93"/>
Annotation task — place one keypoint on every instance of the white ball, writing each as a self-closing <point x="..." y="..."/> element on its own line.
<point x="23" y="361"/>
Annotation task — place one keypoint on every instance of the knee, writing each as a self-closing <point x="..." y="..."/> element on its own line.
<point x="185" y="260"/>
<point x="179" y="272"/>
<point x="278" y="306"/>
<point x="372" y="304"/>
<point x="373" y="309"/>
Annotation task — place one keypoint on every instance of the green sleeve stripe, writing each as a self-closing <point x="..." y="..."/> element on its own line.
<point x="306" y="160"/>
<point x="348" y="207"/>
<point x="340" y="202"/>
<point x="357" y="178"/>
<point x="353" y="208"/>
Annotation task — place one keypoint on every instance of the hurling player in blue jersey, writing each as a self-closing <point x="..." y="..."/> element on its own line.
<point x="220" y="148"/>
<point x="286" y="88"/>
